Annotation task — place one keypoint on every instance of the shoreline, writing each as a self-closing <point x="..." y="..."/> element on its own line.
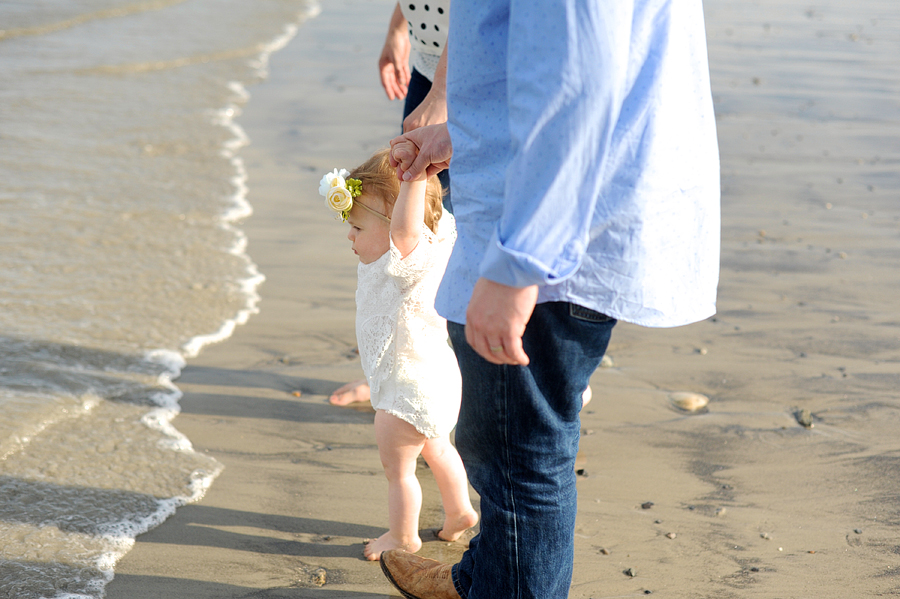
<point x="257" y="526"/>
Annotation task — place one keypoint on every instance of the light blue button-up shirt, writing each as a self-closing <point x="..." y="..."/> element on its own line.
<point x="584" y="156"/>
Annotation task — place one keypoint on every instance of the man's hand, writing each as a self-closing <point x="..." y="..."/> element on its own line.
<point x="496" y="319"/>
<point x="431" y="111"/>
<point x="434" y="152"/>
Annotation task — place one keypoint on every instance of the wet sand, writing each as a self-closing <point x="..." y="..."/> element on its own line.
<point x="738" y="500"/>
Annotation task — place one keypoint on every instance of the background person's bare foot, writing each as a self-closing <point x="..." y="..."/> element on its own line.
<point x="454" y="527"/>
<point x="386" y="542"/>
<point x="353" y="392"/>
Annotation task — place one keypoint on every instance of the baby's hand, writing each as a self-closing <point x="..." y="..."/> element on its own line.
<point x="403" y="154"/>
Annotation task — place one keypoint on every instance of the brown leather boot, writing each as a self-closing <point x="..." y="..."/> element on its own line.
<point x="418" y="577"/>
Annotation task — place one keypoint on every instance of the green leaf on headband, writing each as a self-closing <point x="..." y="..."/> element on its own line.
<point x="354" y="186"/>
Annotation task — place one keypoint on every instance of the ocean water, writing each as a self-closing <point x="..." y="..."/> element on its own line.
<point x="121" y="193"/>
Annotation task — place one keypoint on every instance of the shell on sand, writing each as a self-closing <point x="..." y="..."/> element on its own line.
<point x="804" y="417"/>
<point x="688" y="401"/>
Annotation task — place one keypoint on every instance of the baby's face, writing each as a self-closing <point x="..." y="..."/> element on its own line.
<point x="370" y="235"/>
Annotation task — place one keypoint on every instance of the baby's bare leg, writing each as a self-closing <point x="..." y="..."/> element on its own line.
<point x="445" y="463"/>
<point x="399" y="444"/>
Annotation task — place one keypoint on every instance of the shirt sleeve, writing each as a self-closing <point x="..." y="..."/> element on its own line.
<point x="410" y="270"/>
<point x="566" y="64"/>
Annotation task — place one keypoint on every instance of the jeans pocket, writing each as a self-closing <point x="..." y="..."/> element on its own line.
<point x="586" y="314"/>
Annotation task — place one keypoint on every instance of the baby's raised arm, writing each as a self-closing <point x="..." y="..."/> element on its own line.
<point x="409" y="209"/>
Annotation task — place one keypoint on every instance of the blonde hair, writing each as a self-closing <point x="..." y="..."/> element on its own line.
<point x="379" y="179"/>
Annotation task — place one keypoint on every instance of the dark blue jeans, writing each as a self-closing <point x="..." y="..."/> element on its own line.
<point x="419" y="86"/>
<point x="518" y="435"/>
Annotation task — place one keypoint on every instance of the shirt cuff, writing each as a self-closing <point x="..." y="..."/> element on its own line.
<point x="517" y="269"/>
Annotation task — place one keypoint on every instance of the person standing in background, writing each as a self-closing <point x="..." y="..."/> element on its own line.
<point x="412" y="63"/>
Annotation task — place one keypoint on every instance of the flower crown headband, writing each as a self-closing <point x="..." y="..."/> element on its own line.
<point x="339" y="190"/>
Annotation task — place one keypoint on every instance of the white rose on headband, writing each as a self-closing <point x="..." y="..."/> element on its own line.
<point x="333" y="179"/>
<point x="339" y="199"/>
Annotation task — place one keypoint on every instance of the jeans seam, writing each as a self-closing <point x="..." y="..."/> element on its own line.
<point x="507" y="452"/>
<point x="454" y="578"/>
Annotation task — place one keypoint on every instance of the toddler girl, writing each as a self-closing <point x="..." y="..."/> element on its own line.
<point x="403" y="245"/>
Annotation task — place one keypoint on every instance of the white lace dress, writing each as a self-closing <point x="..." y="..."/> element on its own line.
<point x="411" y="369"/>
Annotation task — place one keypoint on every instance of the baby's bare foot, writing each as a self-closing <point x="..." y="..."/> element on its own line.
<point x="586" y="396"/>
<point x="455" y="526"/>
<point x="386" y="542"/>
<point x="355" y="392"/>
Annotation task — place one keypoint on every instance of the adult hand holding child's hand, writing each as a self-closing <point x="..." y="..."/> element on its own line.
<point x="433" y="152"/>
<point x="404" y="152"/>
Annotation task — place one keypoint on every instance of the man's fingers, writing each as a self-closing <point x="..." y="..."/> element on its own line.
<point x="434" y="169"/>
<point x="417" y="168"/>
<point x="434" y="152"/>
<point x="405" y="157"/>
<point x="422" y="167"/>
<point x="496" y="319"/>
<point x="482" y="347"/>
<point x="514" y="351"/>
<point x="508" y="351"/>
